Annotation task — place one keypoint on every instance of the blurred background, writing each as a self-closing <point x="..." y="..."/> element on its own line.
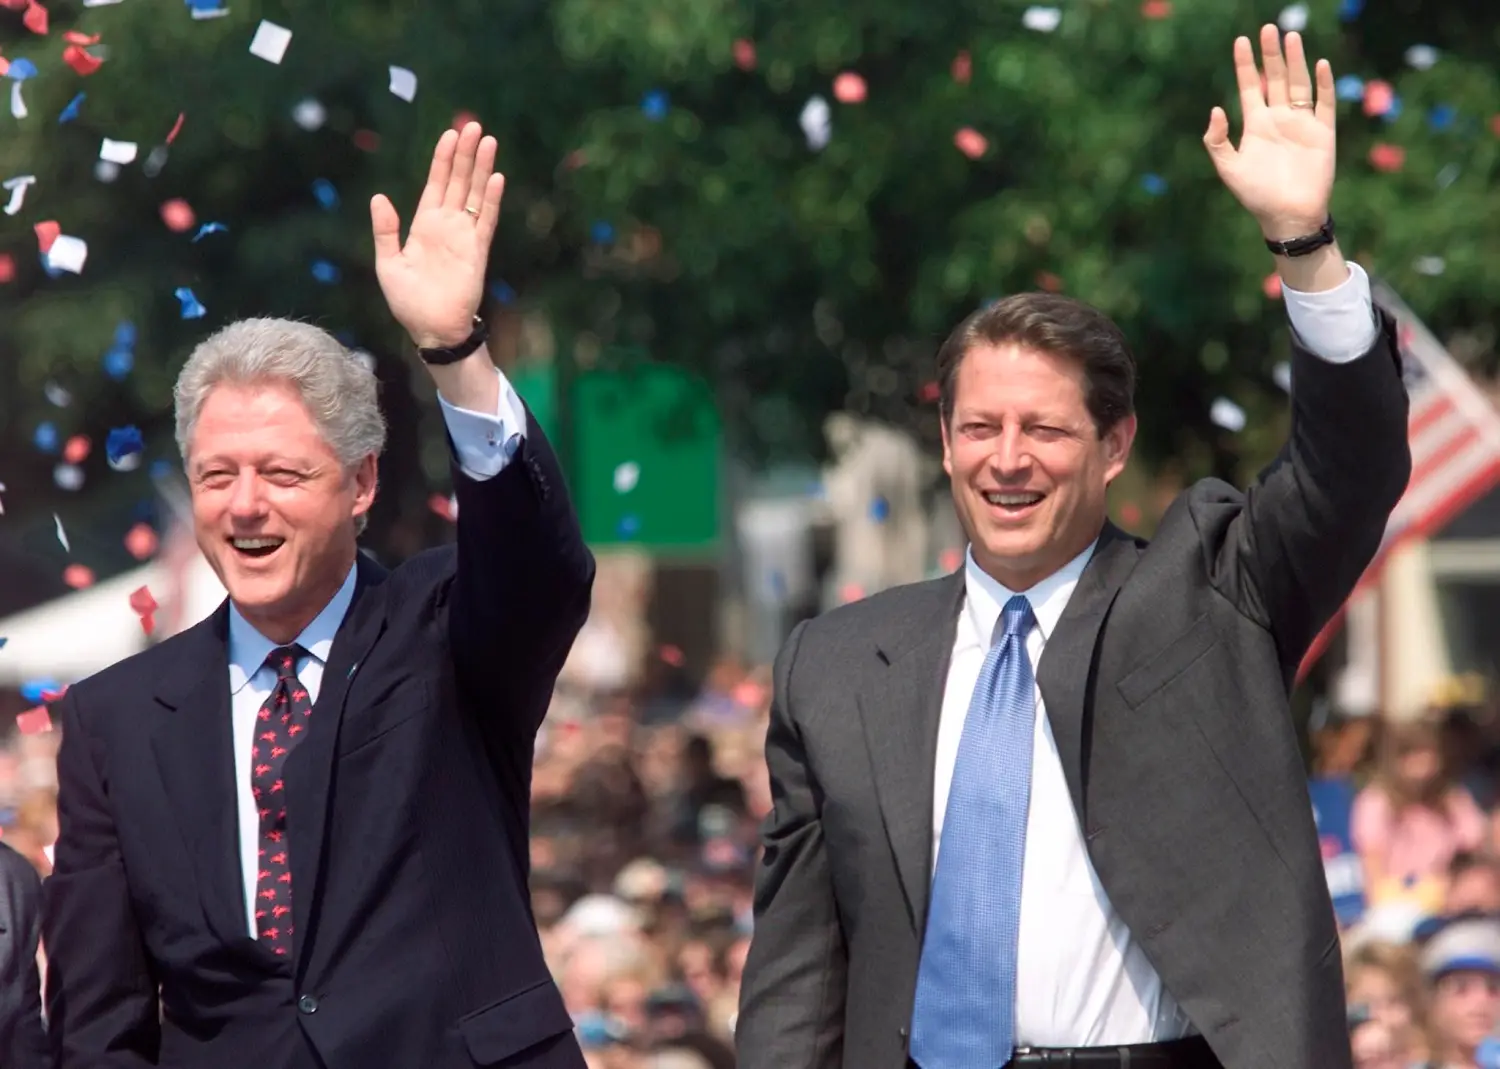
<point x="734" y="233"/>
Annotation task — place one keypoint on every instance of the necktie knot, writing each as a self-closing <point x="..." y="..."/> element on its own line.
<point x="283" y="660"/>
<point x="1016" y="619"/>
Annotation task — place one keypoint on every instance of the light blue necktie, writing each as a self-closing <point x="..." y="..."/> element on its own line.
<point x="965" y="1010"/>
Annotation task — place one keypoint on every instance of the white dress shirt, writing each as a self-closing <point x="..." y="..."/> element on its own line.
<point x="484" y="444"/>
<point x="1082" y="979"/>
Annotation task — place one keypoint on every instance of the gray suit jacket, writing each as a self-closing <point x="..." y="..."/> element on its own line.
<point x="1166" y="684"/>
<point x="23" y="1041"/>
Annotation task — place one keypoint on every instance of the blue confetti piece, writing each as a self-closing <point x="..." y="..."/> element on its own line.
<point x="502" y="292"/>
<point x="325" y="272"/>
<point x="1351" y="9"/>
<point x="327" y="196"/>
<point x="52" y="272"/>
<point x="118" y="363"/>
<point x="654" y="105"/>
<point x="21" y="69"/>
<point x="880" y="510"/>
<point x="70" y="112"/>
<point x="123" y="442"/>
<point x="46" y="437"/>
<point x="34" y="689"/>
<point x="1350" y="87"/>
<point x="1442" y="116"/>
<point x="125" y="334"/>
<point x="191" y="308"/>
<point x="161" y="469"/>
<point x="207" y="229"/>
<point x="3" y="641"/>
<point x="778" y="584"/>
<point x="205" y="6"/>
<point x="1394" y="111"/>
<point x="1154" y="184"/>
<point x="629" y="526"/>
<point x="602" y="233"/>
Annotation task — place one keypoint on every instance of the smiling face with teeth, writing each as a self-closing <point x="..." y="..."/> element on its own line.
<point x="1029" y="466"/>
<point x="274" y="509"/>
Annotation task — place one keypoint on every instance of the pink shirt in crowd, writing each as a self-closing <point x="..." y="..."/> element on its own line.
<point x="1418" y="842"/>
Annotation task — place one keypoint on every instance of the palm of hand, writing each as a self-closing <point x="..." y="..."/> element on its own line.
<point x="439" y="273"/>
<point x="1285" y="165"/>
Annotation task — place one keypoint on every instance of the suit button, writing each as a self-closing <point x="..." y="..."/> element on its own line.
<point x="307" y="1004"/>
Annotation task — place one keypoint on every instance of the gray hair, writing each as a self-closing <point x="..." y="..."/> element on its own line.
<point x="340" y="391"/>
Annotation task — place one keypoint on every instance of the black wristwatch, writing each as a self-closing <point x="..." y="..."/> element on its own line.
<point x="477" y="337"/>
<point x="1304" y="245"/>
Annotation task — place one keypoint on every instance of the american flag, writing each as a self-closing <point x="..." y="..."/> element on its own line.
<point x="1454" y="432"/>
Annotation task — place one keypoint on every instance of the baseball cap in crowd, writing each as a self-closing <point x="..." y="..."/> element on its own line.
<point x="1468" y="943"/>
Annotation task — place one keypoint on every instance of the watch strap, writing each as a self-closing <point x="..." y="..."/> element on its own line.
<point x="1303" y="245"/>
<point x="451" y="355"/>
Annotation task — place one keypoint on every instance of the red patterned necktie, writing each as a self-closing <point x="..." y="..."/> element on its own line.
<point x="281" y="723"/>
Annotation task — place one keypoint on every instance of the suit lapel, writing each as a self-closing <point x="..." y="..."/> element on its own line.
<point x="309" y="768"/>
<point x="1067" y="663"/>
<point x="194" y="749"/>
<point x="900" y="704"/>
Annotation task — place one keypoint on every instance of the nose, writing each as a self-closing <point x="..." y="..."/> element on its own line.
<point x="245" y="499"/>
<point x="1011" y="459"/>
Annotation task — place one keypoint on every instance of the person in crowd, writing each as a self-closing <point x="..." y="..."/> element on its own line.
<point x="1384" y="985"/>
<point x="294" y="835"/>
<point x="1052" y="807"/>
<point x="1410" y="821"/>
<point x="1473" y="884"/>
<point x="23" y="1040"/>
<point x="1461" y="965"/>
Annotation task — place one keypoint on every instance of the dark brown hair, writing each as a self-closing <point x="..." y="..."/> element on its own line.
<point x="1061" y="326"/>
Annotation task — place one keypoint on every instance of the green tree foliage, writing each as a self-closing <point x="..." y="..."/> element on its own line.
<point x="662" y="194"/>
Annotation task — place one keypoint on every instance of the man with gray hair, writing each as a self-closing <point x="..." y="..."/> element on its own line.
<point x="295" y="836"/>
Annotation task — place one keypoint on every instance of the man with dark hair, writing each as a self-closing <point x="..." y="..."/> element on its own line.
<point x="1051" y="810"/>
<point x="23" y="1041"/>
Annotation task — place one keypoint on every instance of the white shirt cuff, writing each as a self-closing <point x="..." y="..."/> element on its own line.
<point x="1338" y="325"/>
<point x="485" y="443"/>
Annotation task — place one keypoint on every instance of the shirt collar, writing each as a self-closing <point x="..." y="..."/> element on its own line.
<point x="984" y="596"/>
<point x="248" y="648"/>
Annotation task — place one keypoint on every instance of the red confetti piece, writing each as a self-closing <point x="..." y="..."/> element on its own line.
<point x="744" y="54"/>
<point x="672" y="655"/>
<point x="748" y="694"/>
<point x="7" y="268"/>
<point x="77" y="449"/>
<point x="34" y="721"/>
<point x="178" y="215"/>
<point x="574" y="160"/>
<point x="849" y="88"/>
<point x="144" y="606"/>
<point x="35" y="18"/>
<point x="1495" y="125"/>
<point x="46" y="233"/>
<point x="74" y="37"/>
<point x="81" y="60"/>
<point x="1130" y="512"/>
<point x="77" y="576"/>
<point x="442" y="506"/>
<point x="1156" y="9"/>
<point x="971" y="142"/>
<point x="963" y="68"/>
<point x="4" y="66"/>
<point x="930" y="392"/>
<point x="366" y="140"/>
<point x="1049" y="282"/>
<point x="1387" y="157"/>
<point x="851" y="592"/>
<point x="1379" y="96"/>
<point x="141" y="541"/>
<point x="1271" y="287"/>
<point x="462" y="119"/>
<point x="950" y="559"/>
<point x="176" y="127"/>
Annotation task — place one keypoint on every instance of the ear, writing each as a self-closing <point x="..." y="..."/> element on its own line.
<point x="366" y="477"/>
<point x="1117" y="442"/>
<point x="947" y="442"/>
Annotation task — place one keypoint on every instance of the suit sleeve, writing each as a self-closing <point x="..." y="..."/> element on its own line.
<point x="1290" y="551"/>
<point x="522" y="586"/>
<point x="792" y="995"/>
<point x="102" y="1007"/>
<point x="23" y="1041"/>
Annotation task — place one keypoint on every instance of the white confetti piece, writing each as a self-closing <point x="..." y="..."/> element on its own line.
<point x="57" y="395"/>
<point x="68" y="254"/>
<point x="1422" y="57"/>
<point x="118" y="151"/>
<point x="1293" y="19"/>
<point x="1281" y="374"/>
<point x="17" y="186"/>
<point x="403" y="83"/>
<point x="99" y="3"/>
<point x="106" y="171"/>
<point x="816" y="125"/>
<point x="1041" y="19"/>
<point x="1448" y="175"/>
<point x="270" y="41"/>
<point x="309" y="114"/>
<point x="2" y="503"/>
<point x="62" y="536"/>
<point x="68" y="477"/>
<point x="1430" y="265"/>
<point x="155" y="161"/>
<point x="17" y="102"/>
<point x="627" y="475"/>
<point x="1228" y="415"/>
<point x="201" y="13"/>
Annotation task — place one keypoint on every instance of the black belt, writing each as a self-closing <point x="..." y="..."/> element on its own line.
<point x="1190" y="1053"/>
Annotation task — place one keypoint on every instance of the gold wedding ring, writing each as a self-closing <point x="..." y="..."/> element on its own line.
<point x="1302" y="104"/>
<point x="472" y="211"/>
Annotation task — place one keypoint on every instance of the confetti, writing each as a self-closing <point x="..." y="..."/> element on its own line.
<point x="672" y="655"/>
<point x="45" y="437"/>
<point x="68" y="254"/>
<point x="141" y="541"/>
<point x="1228" y="415"/>
<point x="815" y="121"/>
<point x="57" y="395"/>
<point x="325" y="272"/>
<point x="851" y="592"/>
<point x="70" y="112"/>
<point x="1041" y="19"/>
<point x="7" y="268"/>
<point x="62" y="536"/>
<point x="77" y="37"/>
<point x="403" y="84"/>
<point x="123" y="447"/>
<point x="1271" y="286"/>
<point x="1350" y="10"/>
<point x="309" y="114"/>
<point x="207" y="9"/>
<point x="627" y="476"/>
<point x="602" y="233"/>
<point x="1388" y="158"/>
<point x="880" y="509"/>
<point x="78" y="576"/>
<point x="1350" y="87"/>
<point x="3" y="640"/>
<point x="1156" y="9"/>
<point x="144" y="606"/>
<point x="1049" y="282"/>
<point x="178" y="215"/>
<point x="1442" y="116"/>
<point x="502" y="292"/>
<point x="971" y="142"/>
<point x="46" y="232"/>
<point x="106" y="171"/>
<point x="1422" y="57"/>
<point x="34" y="721"/>
<point x="446" y="507"/>
<point x="120" y="152"/>
<point x="18" y="109"/>
<point x="1154" y="184"/>
<point x="1430" y="265"/>
<point x="628" y="527"/>
<point x="42" y="690"/>
<point x="176" y="127"/>
<point x="744" y="54"/>
<point x="155" y="161"/>
<point x="270" y="41"/>
<point x="35" y="18"/>
<point x="77" y="449"/>
<point x="191" y="308"/>
<point x="21" y="70"/>
<point x="81" y="60"/>
<point x="121" y="356"/>
<point x="17" y="187"/>
<point x="962" y="68"/>
<point x="654" y="105"/>
<point x="462" y="119"/>
<point x="68" y="477"/>
<point x="326" y="194"/>
<point x="849" y="88"/>
<point x="1447" y="176"/>
<point x="1281" y="375"/>
<point x="207" y="229"/>
<point x="1379" y="97"/>
<point x="1293" y="18"/>
<point x="366" y="140"/>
